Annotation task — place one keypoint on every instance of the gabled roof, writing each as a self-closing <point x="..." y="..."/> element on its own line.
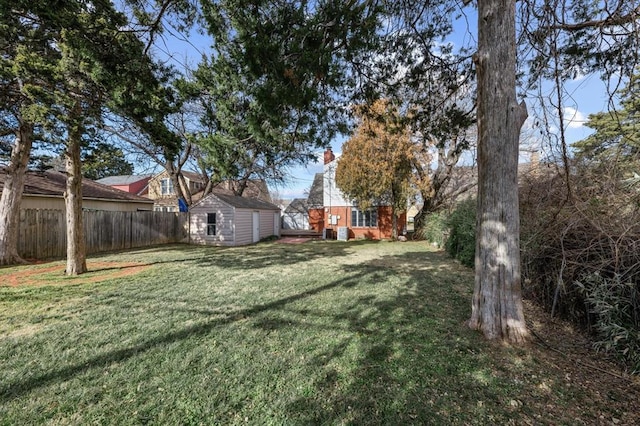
<point x="315" y="200"/>
<point x="53" y="184"/>
<point x="298" y="205"/>
<point x="240" y="202"/>
<point x="192" y="176"/>
<point x="123" y="179"/>
<point x="256" y="188"/>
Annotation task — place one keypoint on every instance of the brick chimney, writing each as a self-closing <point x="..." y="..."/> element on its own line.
<point x="329" y="156"/>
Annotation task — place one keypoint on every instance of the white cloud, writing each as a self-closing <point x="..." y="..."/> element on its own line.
<point x="573" y="118"/>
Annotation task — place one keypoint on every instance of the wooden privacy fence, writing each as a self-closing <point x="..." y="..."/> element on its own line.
<point x="43" y="232"/>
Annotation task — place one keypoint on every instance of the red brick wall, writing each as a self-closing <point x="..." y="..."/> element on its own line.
<point x="316" y="219"/>
<point x="382" y="231"/>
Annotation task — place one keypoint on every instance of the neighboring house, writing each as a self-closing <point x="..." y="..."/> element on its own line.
<point x="138" y="185"/>
<point x="221" y="218"/>
<point x="337" y="212"/>
<point x="45" y="190"/>
<point x="162" y="192"/>
<point x="296" y="215"/>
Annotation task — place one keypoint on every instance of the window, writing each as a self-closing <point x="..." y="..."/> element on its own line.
<point x="211" y="224"/>
<point x="166" y="186"/>
<point x="368" y="218"/>
<point x="164" y="209"/>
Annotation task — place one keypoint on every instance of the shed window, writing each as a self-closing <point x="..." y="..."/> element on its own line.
<point x="211" y="224"/>
<point x="367" y="218"/>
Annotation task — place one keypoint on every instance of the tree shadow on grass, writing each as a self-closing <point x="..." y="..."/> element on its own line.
<point x="264" y="255"/>
<point x="21" y="387"/>
<point x="417" y="363"/>
<point x="414" y="361"/>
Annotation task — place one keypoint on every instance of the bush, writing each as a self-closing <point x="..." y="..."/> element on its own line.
<point x="461" y="243"/>
<point x="615" y="306"/>
<point x="580" y="247"/>
<point x="435" y="229"/>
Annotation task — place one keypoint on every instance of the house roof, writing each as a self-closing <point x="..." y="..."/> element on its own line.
<point x="53" y="184"/>
<point x="240" y="202"/>
<point x="193" y="176"/>
<point x="316" y="193"/>
<point x="298" y="205"/>
<point x="256" y="188"/>
<point x="123" y="179"/>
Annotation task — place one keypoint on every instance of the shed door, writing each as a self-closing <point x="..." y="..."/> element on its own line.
<point x="256" y="227"/>
<point x="276" y="224"/>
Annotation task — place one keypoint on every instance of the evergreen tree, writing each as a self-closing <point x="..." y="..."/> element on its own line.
<point x="616" y="140"/>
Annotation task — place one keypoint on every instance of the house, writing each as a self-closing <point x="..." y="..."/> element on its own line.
<point x="296" y="215"/>
<point x="335" y="212"/>
<point x="45" y="190"/>
<point x="138" y="185"/>
<point x="222" y="218"/>
<point x="162" y="192"/>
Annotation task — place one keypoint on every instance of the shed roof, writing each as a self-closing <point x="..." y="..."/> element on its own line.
<point x="53" y="184"/>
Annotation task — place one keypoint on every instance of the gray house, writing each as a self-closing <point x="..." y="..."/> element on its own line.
<point x="230" y="220"/>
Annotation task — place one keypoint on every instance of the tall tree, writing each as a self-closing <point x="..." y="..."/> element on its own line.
<point x="101" y="160"/>
<point x="26" y="56"/>
<point x="277" y="80"/>
<point x="497" y="305"/>
<point x="497" y="309"/>
<point x="375" y="166"/>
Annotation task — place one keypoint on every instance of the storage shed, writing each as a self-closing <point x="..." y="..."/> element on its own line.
<point x="230" y="220"/>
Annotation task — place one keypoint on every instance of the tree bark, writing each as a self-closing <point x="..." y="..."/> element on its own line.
<point x="12" y="195"/>
<point x="76" y="251"/>
<point x="497" y="300"/>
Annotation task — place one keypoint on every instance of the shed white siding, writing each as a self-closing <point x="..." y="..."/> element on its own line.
<point x="266" y="223"/>
<point x="244" y="226"/>
<point x="225" y="223"/>
<point x="234" y="220"/>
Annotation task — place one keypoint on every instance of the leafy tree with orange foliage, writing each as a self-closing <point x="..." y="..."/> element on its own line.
<point x="376" y="163"/>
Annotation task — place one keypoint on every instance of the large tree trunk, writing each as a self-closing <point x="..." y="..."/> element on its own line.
<point x="497" y="299"/>
<point x="76" y="252"/>
<point x="12" y="195"/>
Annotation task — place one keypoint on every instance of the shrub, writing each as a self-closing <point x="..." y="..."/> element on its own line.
<point x="580" y="246"/>
<point x="461" y="242"/>
<point x="435" y="229"/>
<point x="615" y="306"/>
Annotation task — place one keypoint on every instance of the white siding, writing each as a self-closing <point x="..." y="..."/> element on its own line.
<point x="225" y="223"/>
<point x="244" y="226"/>
<point x="332" y="196"/>
<point x="266" y="223"/>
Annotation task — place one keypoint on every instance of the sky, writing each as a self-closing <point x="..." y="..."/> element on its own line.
<point x="584" y="95"/>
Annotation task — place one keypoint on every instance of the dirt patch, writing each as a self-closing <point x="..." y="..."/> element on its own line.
<point x="54" y="275"/>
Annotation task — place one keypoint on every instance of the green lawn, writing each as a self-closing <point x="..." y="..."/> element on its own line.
<point x="319" y="333"/>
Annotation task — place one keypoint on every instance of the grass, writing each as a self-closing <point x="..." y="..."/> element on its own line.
<point x="320" y="333"/>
